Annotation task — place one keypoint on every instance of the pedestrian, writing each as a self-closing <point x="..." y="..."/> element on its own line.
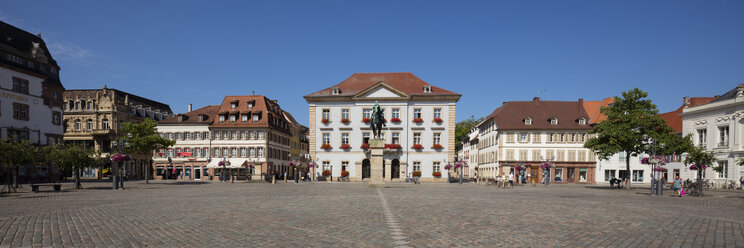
<point x="677" y="186"/>
<point x="182" y="176"/>
<point x="511" y="180"/>
<point x="498" y="181"/>
<point x="612" y="183"/>
<point x="308" y="177"/>
<point x="503" y="181"/>
<point x="408" y="178"/>
<point x="285" y="176"/>
<point x="741" y="183"/>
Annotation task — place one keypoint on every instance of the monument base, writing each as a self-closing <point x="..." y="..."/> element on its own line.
<point x="376" y="147"/>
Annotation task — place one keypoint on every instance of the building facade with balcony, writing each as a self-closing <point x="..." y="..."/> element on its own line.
<point x="717" y="126"/>
<point x="93" y="118"/>
<point x="251" y="135"/>
<point x="530" y="133"/>
<point x="30" y="88"/>
<point x="419" y="132"/>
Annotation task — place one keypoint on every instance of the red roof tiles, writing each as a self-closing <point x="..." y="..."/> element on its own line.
<point x="511" y="115"/>
<point x="673" y="119"/>
<point x="404" y="82"/>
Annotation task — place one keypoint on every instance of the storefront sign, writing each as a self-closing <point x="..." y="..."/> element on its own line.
<point x="15" y="97"/>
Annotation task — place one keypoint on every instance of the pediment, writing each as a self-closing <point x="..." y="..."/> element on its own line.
<point x="380" y="90"/>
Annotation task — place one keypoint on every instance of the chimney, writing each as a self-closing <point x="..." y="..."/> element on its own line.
<point x="536" y="99"/>
<point x="685" y="101"/>
<point x="581" y="104"/>
<point x="189" y="107"/>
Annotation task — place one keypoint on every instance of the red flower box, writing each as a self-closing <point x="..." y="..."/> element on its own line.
<point x="345" y="146"/>
<point x="160" y="154"/>
<point x="437" y="146"/>
<point x="345" y="121"/>
<point x="436" y="174"/>
<point x="417" y="147"/>
<point x="395" y="120"/>
<point x="344" y="173"/>
<point x="325" y="146"/>
<point x="438" y="120"/>
<point x="418" y="120"/>
<point x="325" y="121"/>
<point x="416" y="173"/>
<point x="365" y="120"/>
<point x="326" y="173"/>
<point x="392" y="146"/>
<point x="365" y="146"/>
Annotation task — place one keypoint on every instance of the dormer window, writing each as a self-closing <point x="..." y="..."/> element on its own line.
<point x="245" y="118"/>
<point x="233" y="105"/>
<point x="222" y="118"/>
<point x="528" y="121"/>
<point x="554" y="121"/>
<point x="200" y="118"/>
<point x="427" y="89"/>
<point x="250" y="105"/>
<point x="255" y="118"/>
<point x="233" y="118"/>
<point x="582" y="121"/>
<point x="336" y="91"/>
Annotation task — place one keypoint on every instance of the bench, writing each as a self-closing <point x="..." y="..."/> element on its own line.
<point x="35" y="187"/>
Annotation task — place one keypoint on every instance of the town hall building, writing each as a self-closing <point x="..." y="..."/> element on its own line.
<point x="419" y="134"/>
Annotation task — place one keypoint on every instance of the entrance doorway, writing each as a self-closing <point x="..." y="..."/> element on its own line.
<point x="365" y="168"/>
<point x="197" y="173"/>
<point x="395" y="169"/>
<point x="535" y="174"/>
<point x="571" y="175"/>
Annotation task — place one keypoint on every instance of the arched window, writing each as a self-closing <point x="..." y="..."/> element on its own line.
<point x="89" y="124"/>
<point x="104" y="124"/>
<point x="77" y="125"/>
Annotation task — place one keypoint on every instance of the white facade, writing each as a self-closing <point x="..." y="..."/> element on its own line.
<point x="718" y="127"/>
<point x="426" y="160"/>
<point x="42" y="123"/>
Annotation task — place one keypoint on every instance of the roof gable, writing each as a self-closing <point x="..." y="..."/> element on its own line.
<point x="403" y="82"/>
<point x="380" y="90"/>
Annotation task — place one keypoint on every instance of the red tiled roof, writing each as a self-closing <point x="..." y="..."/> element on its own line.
<point x="593" y="109"/>
<point x="673" y="119"/>
<point x="511" y="115"/>
<point x="261" y="105"/>
<point x="209" y="113"/>
<point x="404" y="82"/>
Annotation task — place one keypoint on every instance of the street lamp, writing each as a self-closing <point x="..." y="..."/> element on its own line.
<point x="546" y="170"/>
<point x="458" y="164"/>
<point x="122" y="143"/>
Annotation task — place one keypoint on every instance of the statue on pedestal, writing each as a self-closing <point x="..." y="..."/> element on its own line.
<point x="377" y="121"/>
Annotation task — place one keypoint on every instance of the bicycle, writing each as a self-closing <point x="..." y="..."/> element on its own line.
<point x="692" y="190"/>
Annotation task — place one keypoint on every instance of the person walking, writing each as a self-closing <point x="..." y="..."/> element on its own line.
<point x="498" y="181"/>
<point x="503" y="181"/>
<point x="511" y="180"/>
<point x="741" y="183"/>
<point x="677" y="186"/>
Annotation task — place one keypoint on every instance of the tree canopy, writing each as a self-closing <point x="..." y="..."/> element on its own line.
<point x="632" y="124"/>
<point x="144" y="138"/>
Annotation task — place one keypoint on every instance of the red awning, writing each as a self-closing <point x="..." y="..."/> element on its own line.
<point x="186" y="154"/>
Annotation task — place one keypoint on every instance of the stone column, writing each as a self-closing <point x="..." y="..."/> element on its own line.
<point x="375" y="160"/>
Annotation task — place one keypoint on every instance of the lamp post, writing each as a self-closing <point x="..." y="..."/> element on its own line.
<point x="546" y="170"/>
<point x="122" y="143"/>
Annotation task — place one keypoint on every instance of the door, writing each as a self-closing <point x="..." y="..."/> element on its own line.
<point x="395" y="169"/>
<point x="570" y="177"/>
<point x="535" y="174"/>
<point x="365" y="168"/>
<point x="197" y="173"/>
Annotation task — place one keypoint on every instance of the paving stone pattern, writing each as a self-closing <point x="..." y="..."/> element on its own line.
<point x="352" y="215"/>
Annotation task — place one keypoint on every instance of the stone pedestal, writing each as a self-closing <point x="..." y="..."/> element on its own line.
<point x="376" y="147"/>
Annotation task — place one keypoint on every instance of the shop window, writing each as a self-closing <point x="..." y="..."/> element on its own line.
<point x="637" y="176"/>
<point x="559" y="174"/>
<point x="582" y="175"/>
<point x="609" y="174"/>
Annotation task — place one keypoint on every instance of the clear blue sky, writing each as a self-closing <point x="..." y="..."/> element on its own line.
<point x="180" y="52"/>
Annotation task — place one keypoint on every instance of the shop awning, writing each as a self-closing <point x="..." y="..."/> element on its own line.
<point x="234" y="163"/>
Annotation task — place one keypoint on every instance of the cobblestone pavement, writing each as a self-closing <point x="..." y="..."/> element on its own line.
<point x="352" y="215"/>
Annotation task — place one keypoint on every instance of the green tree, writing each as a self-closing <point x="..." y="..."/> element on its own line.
<point x="75" y="157"/>
<point x="143" y="139"/>
<point x="462" y="129"/>
<point x="632" y="121"/>
<point x="14" y="155"/>
<point x="700" y="159"/>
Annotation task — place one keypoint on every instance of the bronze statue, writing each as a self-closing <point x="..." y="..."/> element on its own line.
<point x="377" y="121"/>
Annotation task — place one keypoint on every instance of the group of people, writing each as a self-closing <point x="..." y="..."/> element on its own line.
<point x="504" y="181"/>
